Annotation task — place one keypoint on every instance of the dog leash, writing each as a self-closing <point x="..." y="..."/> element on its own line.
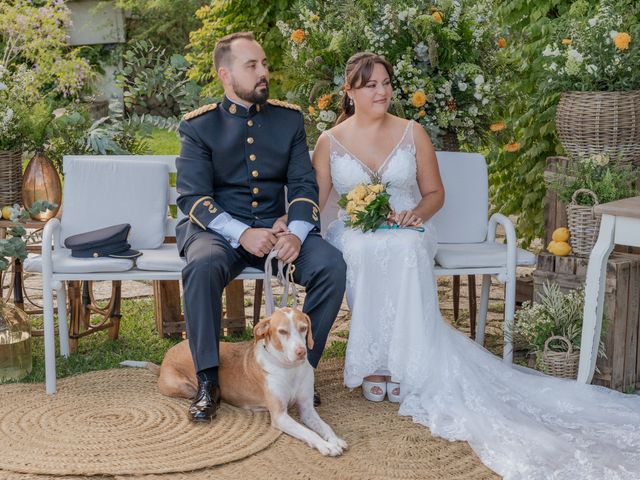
<point x="285" y="279"/>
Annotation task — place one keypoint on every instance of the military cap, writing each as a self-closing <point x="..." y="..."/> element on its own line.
<point x="105" y="242"/>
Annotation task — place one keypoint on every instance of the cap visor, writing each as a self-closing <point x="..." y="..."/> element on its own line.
<point x="126" y="254"/>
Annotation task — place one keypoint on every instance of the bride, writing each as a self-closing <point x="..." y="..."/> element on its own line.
<point x="522" y="424"/>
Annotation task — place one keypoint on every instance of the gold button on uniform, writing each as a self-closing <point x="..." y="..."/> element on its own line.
<point x="255" y="173"/>
<point x="250" y="140"/>
<point x="250" y="123"/>
<point x="255" y="190"/>
<point x="254" y="204"/>
<point x="252" y="157"/>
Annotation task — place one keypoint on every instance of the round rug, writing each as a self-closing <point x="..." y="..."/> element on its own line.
<point x="116" y="422"/>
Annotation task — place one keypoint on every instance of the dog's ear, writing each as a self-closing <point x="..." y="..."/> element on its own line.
<point x="261" y="329"/>
<point x="309" y="335"/>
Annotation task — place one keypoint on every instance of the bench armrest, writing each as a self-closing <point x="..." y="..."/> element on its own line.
<point x="50" y="238"/>
<point x="510" y="240"/>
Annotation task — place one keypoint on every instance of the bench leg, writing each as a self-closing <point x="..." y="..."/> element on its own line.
<point x="509" y="315"/>
<point x="472" y="305"/>
<point x="114" y="309"/>
<point x="49" y="336"/>
<point x="257" y="301"/>
<point x="456" y="298"/>
<point x="484" y="308"/>
<point x="63" y="328"/>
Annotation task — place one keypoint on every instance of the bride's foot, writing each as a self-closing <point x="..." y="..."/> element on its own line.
<point x="393" y="392"/>
<point x="374" y="388"/>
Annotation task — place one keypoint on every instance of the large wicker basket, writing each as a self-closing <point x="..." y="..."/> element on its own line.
<point x="560" y="364"/>
<point x="584" y="224"/>
<point x="600" y="122"/>
<point x="10" y="178"/>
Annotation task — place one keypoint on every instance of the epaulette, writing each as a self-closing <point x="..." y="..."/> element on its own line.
<point x="280" y="103"/>
<point x="199" y="111"/>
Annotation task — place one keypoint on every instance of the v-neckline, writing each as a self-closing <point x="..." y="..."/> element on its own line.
<point x="386" y="160"/>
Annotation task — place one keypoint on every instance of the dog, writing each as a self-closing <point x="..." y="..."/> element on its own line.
<point x="271" y="373"/>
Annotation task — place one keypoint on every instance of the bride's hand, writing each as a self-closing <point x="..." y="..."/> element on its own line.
<point x="407" y="218"/>
<point x="391" y="218"/>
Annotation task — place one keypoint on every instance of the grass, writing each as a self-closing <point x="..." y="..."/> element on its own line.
<point x="138" y="340"/>
<point x="164" y="142"/>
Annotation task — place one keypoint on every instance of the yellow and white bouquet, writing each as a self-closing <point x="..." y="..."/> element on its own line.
<point x="367" y="205"/>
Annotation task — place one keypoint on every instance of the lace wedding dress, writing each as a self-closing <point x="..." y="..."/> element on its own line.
<point x="522" y="424"/>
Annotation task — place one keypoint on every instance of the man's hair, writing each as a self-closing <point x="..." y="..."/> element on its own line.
<point x="222" y="50"/>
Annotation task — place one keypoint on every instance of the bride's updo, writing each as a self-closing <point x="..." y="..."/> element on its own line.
<point x="356" y="75"/>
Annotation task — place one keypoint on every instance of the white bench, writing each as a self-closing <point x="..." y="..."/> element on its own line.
<point x="106" y="190"/>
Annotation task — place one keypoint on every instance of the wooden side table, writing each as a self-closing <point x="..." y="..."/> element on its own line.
<point x="620" y="225"/>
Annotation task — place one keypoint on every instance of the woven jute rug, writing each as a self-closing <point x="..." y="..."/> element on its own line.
<point x="382" y="445"/>
<point x="116" y="422"/>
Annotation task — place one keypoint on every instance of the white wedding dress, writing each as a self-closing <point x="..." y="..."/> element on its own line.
<point x="522" y="424"/>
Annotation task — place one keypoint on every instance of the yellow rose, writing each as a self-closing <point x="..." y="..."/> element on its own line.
<point x="418" y="99"/>
<point x="370" y="198"/>
<point x="502" y="42"/>
<point x="297" y="36"/>
<point x="437" y="16"/>
<point x="421" y="113"/>
<point x="512" y="147"/>
<point x="567" y="41"/>
<point x="376" y="188"/>
<point x="622" y="41"/>
<point x="360" y="192"/>
<point x="498" y="126"/>
<point x="350" y="207"/>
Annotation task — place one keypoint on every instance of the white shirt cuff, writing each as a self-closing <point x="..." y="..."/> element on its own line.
<point x="300" y="229"/>
<point x="228" y="227"/>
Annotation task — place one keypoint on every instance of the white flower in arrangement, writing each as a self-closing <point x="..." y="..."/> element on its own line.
<point x="3" y="86"/>
<point x="479" y="80"/>
<point x="592" y="69"/>
<point x="593" y="22"/>
<point x="600" y="159"/>
<point x="553" y="66"/>
<point x="478" y="96"/>
<point x="485" y="101"/>
<point x="574" y="56"/>
<point x="462" y="86"/>
<point x="321" y="126"/>
<point x="612" y="34"/>
<point x="473" y="110"/>
<point x="327" y="116"/>
<point x="549" y="52"/>
<point x="338" y="79"/>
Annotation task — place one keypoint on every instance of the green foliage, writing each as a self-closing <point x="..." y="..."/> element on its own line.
<point x="155" y="83"/>
<point x="221" y="18"/>
<point x="15" y="246"/>
<point x="164" y="142"/>
<point x="165" y="23"/>
<point x="445" y="55"/>
<point x="608" y="181"/>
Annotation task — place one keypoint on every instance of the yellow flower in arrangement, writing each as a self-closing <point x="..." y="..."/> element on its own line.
<point x="312" y="110"/>
<point x="418" y="99"/>
<point x="502" y="42"/>
<point x="324" y="101"/>
<point x="314" y="18"/>
<point x="512" y="147"/>
<point x="622" y="40"/>
<point x="376" y="188"/>
<point x="297" y="36"/>
<point x="567" y="41"/>
<point x="437" y="16"/>
<point x="367" y="206"/>
<point x="421" y="113"/>
<point x="497" y="126"/>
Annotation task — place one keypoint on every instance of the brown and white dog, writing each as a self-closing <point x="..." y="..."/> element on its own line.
<point x="271" y="373"/>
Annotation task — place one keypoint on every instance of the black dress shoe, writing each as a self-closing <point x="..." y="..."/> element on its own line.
<point x="206" y="402"/>
<point x="316" y="399"/>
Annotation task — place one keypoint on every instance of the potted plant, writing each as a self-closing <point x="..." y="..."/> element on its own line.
<point x="583" y="184"/>
<point x="551" y="329"/>
<point x="15" y="328"/>
<point x="593" y="61"/>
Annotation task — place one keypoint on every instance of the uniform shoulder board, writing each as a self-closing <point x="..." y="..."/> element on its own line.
<point x="280" y="103"/>
<point x="199" y="111"/>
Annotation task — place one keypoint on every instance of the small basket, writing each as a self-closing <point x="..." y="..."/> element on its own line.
<point x="560" y="364"/>
<point x="10" y="177"/>
<point x="584" y="224"/>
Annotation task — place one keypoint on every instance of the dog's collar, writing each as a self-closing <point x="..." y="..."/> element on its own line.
<point x="279" y="361"/>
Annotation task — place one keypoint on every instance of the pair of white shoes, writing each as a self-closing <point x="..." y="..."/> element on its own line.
<point x="373" y="394"/>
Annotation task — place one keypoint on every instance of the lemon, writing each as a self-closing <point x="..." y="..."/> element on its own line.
<point x="560" y="249"/>
<point x="561" y="234"/>
<point x="551" y="246"/>
<point x="6" y="212"/>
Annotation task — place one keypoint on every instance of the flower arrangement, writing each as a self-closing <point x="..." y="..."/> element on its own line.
<point x="367" y="206"/>
<point x="608" y="180"/>
<point x="594" y="50"/>
<point x="555" y="314"/>
<point x="445" y="55"/>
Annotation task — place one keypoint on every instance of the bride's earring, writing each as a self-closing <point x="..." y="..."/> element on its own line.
<point x="351" y="101"/>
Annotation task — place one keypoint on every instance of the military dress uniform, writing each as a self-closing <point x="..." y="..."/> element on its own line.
<point x="237" y="161"/>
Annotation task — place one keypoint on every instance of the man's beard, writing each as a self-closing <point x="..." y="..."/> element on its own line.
<point x="252" y="96"/>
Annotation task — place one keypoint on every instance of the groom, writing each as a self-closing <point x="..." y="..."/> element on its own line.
<point x="236" y="159"/>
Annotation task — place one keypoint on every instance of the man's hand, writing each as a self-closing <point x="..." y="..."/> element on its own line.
<point x="288" y="247"/>
<point x="280" y="226"/>
<point x="258" y="241"/>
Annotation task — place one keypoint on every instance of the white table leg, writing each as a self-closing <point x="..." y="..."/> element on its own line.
<point x="594" y="298"/>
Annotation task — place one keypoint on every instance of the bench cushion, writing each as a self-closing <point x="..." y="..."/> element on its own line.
<point x="99" y="192"/>
<point x="165" y="258"/>
<point x="63" y="262"/>
<point x="484" y="254"/>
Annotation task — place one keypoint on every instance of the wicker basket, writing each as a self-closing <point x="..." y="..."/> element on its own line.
<point x="560" y="364"/>
<point x="584" y="224"/>
<point x="600" y="122"/>
<point x="10" y="178"/>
